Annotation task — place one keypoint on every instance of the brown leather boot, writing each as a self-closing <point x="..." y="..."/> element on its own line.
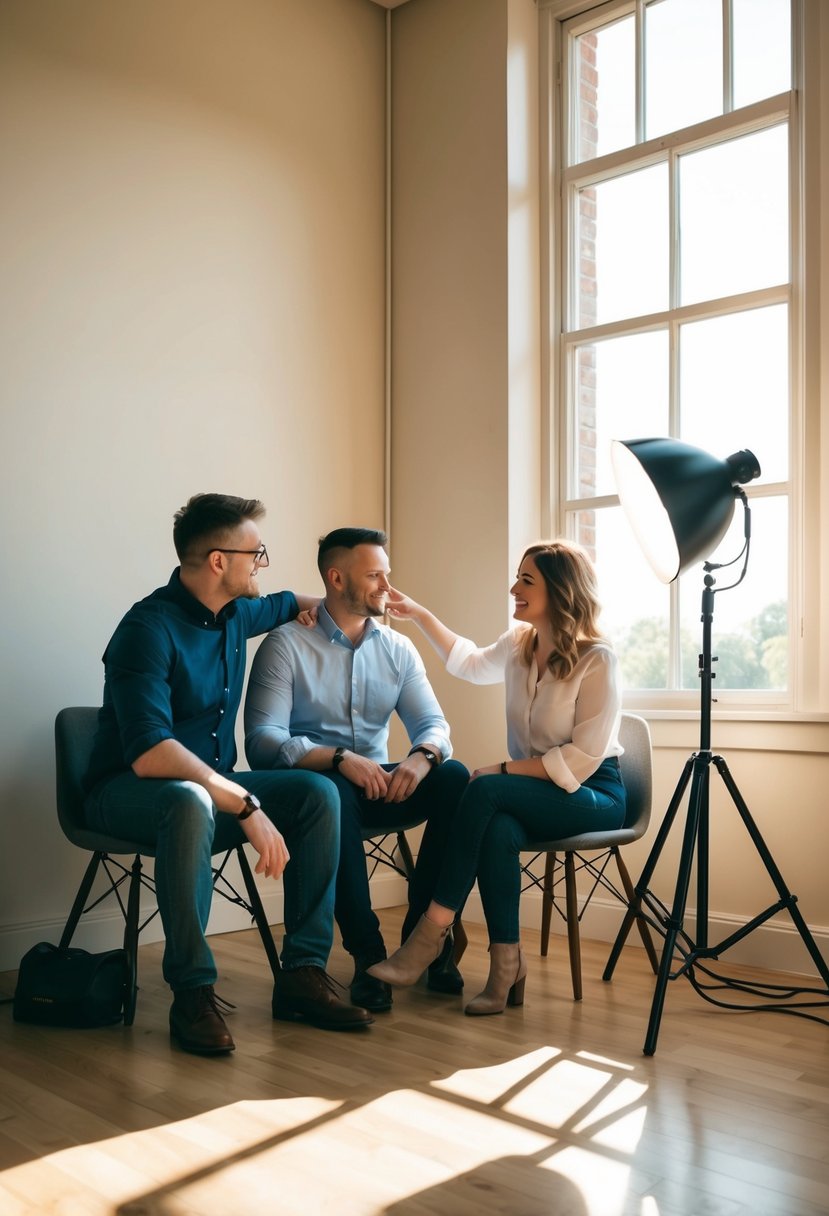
<point x="505" y="983"/>
<point x="423" y="945"/>
<point x="309" y="994"/>
<point x="196" y="1022"/>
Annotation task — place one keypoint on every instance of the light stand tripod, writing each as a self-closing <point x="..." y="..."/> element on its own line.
<point x="696" y="844"/>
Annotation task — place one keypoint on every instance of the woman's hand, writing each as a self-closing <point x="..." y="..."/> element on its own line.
<point x="402" y="606"/>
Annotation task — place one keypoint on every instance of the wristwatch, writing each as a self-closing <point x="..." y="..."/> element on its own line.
<point x="337" y="758"/>
<point x="432" y="756"/>
<point x="252" y="804"/>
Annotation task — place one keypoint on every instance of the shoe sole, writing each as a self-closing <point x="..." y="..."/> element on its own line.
<point x="194" y="1050"/>
<point x="291" y="1015"/>
<point x="373" y="1007"/>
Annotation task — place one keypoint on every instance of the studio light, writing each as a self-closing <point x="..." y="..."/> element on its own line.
<point x="679" y="501"/>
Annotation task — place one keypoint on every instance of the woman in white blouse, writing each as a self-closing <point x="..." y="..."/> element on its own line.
<point x="563" y="705"/>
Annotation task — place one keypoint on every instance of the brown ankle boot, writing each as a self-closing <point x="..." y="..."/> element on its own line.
<point x="196" y="1021"/>
<point x="406" y="965"/>
<point x="505" y="984"/>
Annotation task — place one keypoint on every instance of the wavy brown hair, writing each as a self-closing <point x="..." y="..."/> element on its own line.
<point x="574" y="606"/>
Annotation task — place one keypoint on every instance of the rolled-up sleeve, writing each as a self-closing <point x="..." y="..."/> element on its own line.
<point x="138" y="661"/>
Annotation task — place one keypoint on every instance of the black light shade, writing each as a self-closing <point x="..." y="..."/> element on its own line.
<point x="679" y="500"/>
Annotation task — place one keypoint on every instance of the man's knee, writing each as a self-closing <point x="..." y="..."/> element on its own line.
<point x="188" y="809"/>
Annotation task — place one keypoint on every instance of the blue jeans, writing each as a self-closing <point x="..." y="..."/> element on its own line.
<point x="178" y="821"/>
<point x="436" y="800"/>
<point x="499" y="816"/>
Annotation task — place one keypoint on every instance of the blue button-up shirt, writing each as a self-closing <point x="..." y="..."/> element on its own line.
<point x="174" y="670"/>
<point x="313" y="688"/>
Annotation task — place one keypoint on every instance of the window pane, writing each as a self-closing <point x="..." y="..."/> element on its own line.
<point x="683" y="63"/>
<point x="621" y="393"/>
<point x="734" y="216"/>
<point x="750" y="627"/>
<point x="622" y="247"/>
<point x="734" y="386"/>
<point x="606" y="89"/>
<point x="762" y="49"/>
<point x="634" y="603"/>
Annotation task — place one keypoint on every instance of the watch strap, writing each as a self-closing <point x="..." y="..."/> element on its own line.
<point x="252" y="804"/>
<point x="431" y="755"/>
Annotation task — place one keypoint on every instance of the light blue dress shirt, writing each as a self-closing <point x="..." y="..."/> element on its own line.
<point x="312" y="688"/>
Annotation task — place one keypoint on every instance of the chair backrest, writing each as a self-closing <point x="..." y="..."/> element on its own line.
<point x="637" y="771"/>
<point x="75" y="729"/>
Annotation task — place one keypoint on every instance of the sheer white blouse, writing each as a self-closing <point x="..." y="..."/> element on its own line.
<point x="572" y="725"/>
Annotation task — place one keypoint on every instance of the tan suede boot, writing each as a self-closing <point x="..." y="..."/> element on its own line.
<point x="406" y="965"/>
<point x="505" y="984"/>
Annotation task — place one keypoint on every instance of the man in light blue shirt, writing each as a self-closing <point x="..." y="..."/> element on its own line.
<point x="321" y="699"/>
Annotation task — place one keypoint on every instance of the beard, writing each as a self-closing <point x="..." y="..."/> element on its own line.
<point x="360" y="604"/>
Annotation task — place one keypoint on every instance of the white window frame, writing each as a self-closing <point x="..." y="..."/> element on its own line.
<point x="808" y="692"/>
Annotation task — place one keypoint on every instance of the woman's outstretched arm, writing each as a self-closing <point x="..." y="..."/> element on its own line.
<point x="404" y="608"/>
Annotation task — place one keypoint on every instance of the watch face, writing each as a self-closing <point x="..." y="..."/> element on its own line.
<point x="253" y="801"/>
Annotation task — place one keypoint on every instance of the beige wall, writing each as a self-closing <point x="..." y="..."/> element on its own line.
<point x="191" y="298"/>
<point x="465" y="330"/>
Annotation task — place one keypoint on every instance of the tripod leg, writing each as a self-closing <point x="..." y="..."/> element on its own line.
<point x="697" y="809"/>
<point x="635" y="906"/>
<point x="788" y="900"/>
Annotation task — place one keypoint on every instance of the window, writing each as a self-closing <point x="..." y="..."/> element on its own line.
<point x="676" y="140"/>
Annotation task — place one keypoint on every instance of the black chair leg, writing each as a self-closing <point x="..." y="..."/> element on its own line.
<point x="258" y="912"/>
<point x="406" y="855"/>
<point x="80" y="900"/>
<point x="131" y="940"/>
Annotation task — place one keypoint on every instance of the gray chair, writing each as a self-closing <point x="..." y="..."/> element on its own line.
<point x="591" y="853"/>
<point x="74" y="733"/>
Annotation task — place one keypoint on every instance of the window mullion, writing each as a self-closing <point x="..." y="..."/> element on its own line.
<point x="727" y="56"/>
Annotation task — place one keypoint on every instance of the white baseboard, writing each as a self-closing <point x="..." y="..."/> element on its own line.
<point x="775" y="946"/>
<point x="103" y="928"/>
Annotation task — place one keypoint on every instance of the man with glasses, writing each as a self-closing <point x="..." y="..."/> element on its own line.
<point x="321" y="700"/>
<point x="162" y="772"/>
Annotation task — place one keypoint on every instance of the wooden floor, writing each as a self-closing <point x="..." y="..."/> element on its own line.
<point x="549" y="1109"/>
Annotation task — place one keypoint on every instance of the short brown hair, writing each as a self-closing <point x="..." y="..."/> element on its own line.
<point x="206" y="520"/>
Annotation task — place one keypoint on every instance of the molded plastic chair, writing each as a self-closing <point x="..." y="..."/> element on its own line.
<point x="74" y="734"/>
<point x="637" y="775"/>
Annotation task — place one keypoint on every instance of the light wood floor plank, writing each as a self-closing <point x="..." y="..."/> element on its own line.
<point x="548" y="1110"/>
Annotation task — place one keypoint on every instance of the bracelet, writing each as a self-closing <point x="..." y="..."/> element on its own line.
<point x="504" y="768"/>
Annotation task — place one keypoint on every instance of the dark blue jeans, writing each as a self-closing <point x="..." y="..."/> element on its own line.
<point x="178" y="820"/>
<point x="436" y="800"/>
<point x="497" y="819"/>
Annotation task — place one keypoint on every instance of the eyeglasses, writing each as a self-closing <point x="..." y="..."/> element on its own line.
<point x="260" y="555"/>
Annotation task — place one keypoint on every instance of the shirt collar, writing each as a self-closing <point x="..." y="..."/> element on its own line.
<point x="193" y="607"/>
<point x="332" y="631"/>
